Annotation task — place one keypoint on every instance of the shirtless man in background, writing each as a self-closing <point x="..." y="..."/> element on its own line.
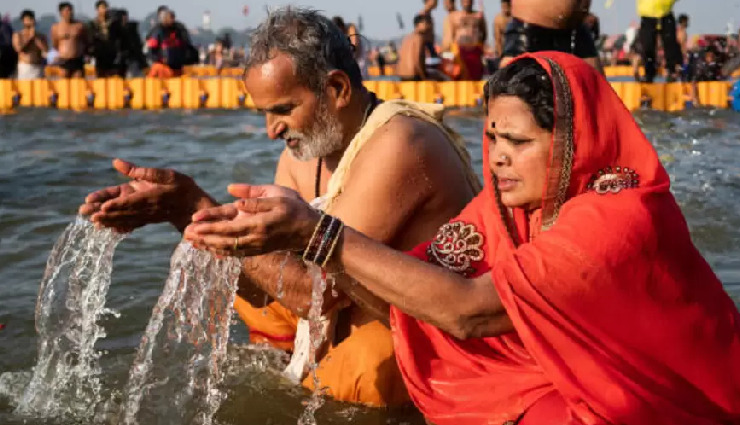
<point x="31" y="47"/>
<point x="500" y="22"/>
<point x="429" y="41"/>
<point x="539" y="25"/>
<point x="411" y="65"/>
<point x="469" y="34"/>
<point x="69" y="38"/>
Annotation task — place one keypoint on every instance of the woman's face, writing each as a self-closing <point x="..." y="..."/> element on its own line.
<point x="519" y="152"/>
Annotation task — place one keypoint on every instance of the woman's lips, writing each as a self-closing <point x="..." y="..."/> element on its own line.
<point x="505" y="185"/>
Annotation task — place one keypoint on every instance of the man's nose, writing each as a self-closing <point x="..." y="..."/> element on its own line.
<point x="275" y="128"/>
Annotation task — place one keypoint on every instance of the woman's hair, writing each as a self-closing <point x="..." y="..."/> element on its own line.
<point x="528" y="81"/>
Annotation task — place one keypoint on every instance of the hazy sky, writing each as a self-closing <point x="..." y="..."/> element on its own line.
<point x="379" y="16"/>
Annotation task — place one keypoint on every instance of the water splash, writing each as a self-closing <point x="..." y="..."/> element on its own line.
<point x="66" y="379"/>
<point x="179" y="364"/>
<point x="316" y="330"/>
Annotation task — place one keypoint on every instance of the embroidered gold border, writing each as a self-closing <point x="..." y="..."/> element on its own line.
<point x="561" y="161"/>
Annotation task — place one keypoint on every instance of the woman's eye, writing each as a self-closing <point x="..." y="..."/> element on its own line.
<point x="518" y="142"/>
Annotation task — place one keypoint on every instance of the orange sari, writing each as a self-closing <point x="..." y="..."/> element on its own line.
<point x="615" y="312"/>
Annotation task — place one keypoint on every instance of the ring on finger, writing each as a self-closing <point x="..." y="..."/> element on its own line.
<point x="236" y="244"/>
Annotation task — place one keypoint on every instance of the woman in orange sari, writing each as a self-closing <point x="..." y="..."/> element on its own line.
<point x="569" y="290"/>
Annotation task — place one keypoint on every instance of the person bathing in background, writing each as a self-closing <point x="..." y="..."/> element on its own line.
<point x="69" y="38"/>
<point x="567" y="292"/>
<point x="170" y="48"/>
<point x="682" y="36"/>
<point x="106" y="42"/>
<point x="391" y="169"/>
<point x="8" y="55"/>
<point x="429" y="39"/>
<point x="411" y="63"/>
<point x="467" y="39"/>
<point x="31" y="47"/>
<point x="355" y="38"/>
<point x="134" y="61"/>
<point x="360" y="51"/>
<point x="542" y="25"/>
<point x="656" y="17"/>
<point x="500" y="22"/>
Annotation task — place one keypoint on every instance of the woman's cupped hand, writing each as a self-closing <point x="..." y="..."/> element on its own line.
<point x="264" y="219"/>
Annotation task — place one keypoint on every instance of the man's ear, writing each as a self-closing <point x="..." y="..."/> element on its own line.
<point x="339" y="88"/>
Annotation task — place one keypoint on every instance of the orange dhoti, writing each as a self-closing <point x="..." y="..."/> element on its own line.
<point x="160" y="70"/>
<point x="359" y="369"/>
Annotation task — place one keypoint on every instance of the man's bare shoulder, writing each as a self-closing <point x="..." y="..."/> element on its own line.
<point x="410" y="140"/>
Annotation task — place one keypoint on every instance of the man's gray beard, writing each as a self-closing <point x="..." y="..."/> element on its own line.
<point x="324" y="138"/>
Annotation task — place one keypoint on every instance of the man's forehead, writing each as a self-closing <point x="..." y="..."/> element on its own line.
<point x="274" y="81"/>
<point x="277" y="70"/>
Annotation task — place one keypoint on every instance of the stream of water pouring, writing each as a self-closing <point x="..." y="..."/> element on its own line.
<point x="66" y="379"/>
<point x="178" y="367"/>
<point x="317" y="339"/>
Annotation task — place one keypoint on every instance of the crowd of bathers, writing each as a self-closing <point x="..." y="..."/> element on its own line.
<point x="111" y="42"/>
<point x="467" y="49"/>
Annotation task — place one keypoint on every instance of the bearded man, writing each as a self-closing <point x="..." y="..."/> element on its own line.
<point x="390" y="170"/>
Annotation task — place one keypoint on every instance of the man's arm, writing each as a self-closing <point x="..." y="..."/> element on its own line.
<point x="265" y="271"/>
<point x="86" y="37"/>
<point x="17" y="43"/>
<point x="483" y="28"/>
<point x="41" y="43"/>
<point x="429" y="5"/>
<point x="464" y="308"/>
<point x="419" y="57"/>
<point x="447" y="35"/>
<point x="498" y="36"/>
<point x="364" y="205"/>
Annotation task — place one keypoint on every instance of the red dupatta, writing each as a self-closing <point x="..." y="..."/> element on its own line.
<point x="614" y="308"/>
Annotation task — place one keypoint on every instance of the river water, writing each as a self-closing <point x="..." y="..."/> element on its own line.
<point x="49" y="161"/>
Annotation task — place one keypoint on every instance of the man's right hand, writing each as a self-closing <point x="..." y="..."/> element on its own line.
<point x="152" y="196"/>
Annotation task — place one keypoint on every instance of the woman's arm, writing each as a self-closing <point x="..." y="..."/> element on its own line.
<point x="464" y="308"/>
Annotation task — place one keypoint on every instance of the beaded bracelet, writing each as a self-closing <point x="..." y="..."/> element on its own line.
<point x="323" y="241"/>
<point x="309" y="253"/>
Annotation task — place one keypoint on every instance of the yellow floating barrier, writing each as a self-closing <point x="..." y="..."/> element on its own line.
<point x="714" y="93"/>
<point x="229" y="93"/>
